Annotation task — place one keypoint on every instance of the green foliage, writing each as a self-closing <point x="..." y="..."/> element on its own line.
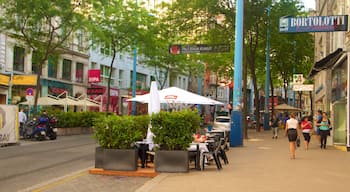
<point x="41" y="26"/>
<point x="118" y="132"/>
<point x="174" y="130"/>
<point x="142" y="123"/>
<point x="74" y="119"/>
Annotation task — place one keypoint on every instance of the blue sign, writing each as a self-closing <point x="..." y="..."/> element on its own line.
<point x="313" y="24"/>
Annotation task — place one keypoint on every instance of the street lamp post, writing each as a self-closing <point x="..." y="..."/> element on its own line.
<point x="236" y="137"/>
<point x="267" y="77"/>
<point x="133" y="109"/>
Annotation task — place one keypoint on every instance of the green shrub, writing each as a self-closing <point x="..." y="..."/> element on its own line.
<point x="142" y="123"/>
<point x="174" y="130"/>
<point x="116" y="132"/>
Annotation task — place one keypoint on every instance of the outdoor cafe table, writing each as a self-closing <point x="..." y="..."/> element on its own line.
<point x="199" y="148"/>
<point x="142" y="148"/>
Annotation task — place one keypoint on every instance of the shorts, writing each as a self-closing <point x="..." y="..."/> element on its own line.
<point x="318" y="131"/>
<point x="292" y="135"/>
<point x="307" y="137"/>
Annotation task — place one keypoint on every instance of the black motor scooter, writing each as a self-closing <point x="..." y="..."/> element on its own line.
<point x="28" y="129"/>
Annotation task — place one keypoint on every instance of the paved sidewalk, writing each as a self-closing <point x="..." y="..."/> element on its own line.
<point x="262" y="165"/>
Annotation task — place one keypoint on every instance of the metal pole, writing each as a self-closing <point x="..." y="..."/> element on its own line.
<point x="267" y="79"/>
<point x="134" y="81"/>
<point x="199" y="91"/>
<point x="236" y="137"/>
<point x="295" y="62"/>
<point x="133" y="110"/>
<point x="9" y="95"/>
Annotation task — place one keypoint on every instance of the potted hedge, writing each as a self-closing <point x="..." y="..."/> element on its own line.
<point x="173" y="132"/>
<point x="116" y="136"/>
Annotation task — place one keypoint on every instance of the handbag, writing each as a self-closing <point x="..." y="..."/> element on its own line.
<point x="298" y="142"/>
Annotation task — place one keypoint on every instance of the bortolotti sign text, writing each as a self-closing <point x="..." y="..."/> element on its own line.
<point x="313" y="24"/>
<point x="200" y="48"/>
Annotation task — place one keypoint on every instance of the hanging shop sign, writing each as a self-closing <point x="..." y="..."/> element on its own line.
<point x="198" y="48"/>
<point x="94" y="76"/>
<point x="95" y="91"/>
<point x="313" y="24"/>
<point x="4" y="80"/>
<point x="24" y="80"/>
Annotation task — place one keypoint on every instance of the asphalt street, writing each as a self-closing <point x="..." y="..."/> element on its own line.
<point x="31" y="163"/>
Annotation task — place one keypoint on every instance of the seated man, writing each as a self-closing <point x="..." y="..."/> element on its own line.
<point x="42" y="124"/>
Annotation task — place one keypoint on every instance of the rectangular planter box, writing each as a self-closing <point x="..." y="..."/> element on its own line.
<point x="99" y="156"/>
<point x="171" y="161"/>
<point x="116" y="159"/>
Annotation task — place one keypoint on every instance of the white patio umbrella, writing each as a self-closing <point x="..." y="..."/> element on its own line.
<point x="177" y="95"/>
<point x="46" y="100"/>
<point x="153" y="107"/>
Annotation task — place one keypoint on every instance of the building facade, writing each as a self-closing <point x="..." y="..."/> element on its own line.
<point x="330" y="72"/>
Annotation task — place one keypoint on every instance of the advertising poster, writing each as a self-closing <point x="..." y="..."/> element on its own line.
<point x="8" y="124"/>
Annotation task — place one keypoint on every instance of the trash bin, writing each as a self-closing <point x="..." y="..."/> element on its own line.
<point x="210" y="127"/>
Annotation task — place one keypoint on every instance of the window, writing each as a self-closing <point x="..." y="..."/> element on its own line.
<point x="79" y="35"/>
<point x="18" y="59"/>
<point x="94" y="65"/>
<point x="105" y="74"/>
<point x="140" y="80"/>
<point x="35" y="63"/>
<point x="66" y="69"/>
<point x="79" y="72"/>
<point x="121" y="77"/>
<point x="52" y="68"/>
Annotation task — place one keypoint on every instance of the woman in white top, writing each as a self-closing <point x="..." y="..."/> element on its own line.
<point x="292" y="131"/>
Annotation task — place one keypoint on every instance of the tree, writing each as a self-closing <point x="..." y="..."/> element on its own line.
<point x="44" y="26"/>
<point x="120" y="25"/>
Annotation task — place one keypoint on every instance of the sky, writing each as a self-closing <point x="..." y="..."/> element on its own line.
<point x="309" y="4"/>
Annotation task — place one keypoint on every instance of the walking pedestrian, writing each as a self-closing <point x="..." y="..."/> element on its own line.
<point x="324" y="129"/>
<point x="318" y="121"/>
<point x="293" y="132"/>
<point x="275" y="126"/>
<point x="306" y="127"/>
<point x="22" y="118"/>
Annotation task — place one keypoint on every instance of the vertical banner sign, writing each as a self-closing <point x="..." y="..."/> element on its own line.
<point x="8" y="124"/>
<point x="94" y="76"/>
<point x="313" y="24"/>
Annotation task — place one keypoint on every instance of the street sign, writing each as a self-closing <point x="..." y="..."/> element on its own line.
<point x="298" y="79"/>
<point x="313" y="24"/>
<point x="198" y="48"/>
<point x="307" y="87"/>
<point x="30" y="98"/>
<point x="29" y="91"/>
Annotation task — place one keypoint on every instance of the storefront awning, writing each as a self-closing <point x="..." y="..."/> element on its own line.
<point x="327" y="62"/>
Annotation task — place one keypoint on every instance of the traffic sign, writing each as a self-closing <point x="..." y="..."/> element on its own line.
<point x="298" y="79"/>
<point x="198" y="48"/>
<point x="307" y="87"/>
<point x="30" y="91"/>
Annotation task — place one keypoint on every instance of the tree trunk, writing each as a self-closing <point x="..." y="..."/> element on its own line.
<point x="272" y="100"/>
<point x="109" y="79"/>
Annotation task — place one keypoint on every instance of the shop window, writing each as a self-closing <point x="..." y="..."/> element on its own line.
<point x="66" y="69"/>
<point x="18" y="59"/>
<point x="52" y="68"/>
<point x="140" y="81"/>
<point x="79" y="73"/>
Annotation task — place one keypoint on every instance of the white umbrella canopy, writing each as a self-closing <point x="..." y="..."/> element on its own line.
<point x="153" y="107"/>
<point x="46" y="100"/>
<point x="177" y="95"/>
